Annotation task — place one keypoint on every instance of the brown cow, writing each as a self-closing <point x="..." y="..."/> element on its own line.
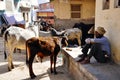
<point x="43" y="46"/>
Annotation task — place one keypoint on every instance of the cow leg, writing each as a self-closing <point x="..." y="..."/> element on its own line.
<point x="51" y="62"/>
<point x="19" y="50"/>
<point x="55" y="59"/>
<point x="15" y="50"/>
<point x="30" y="54"/>
<point x="79" y="41"/>
<point x="12" y="66"/>
<point x="10" y="63"/>
<point x="31" y="58"/>
<point x="32" y="75"/>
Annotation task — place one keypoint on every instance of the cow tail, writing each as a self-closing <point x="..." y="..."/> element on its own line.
<point x="5" y="54"/>
<point x="26" y="53"/>
<point x="27" y="61"/>
<point x="5" y="40"/>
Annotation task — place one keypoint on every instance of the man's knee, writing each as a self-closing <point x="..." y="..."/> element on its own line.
<point x="96" y="45"/>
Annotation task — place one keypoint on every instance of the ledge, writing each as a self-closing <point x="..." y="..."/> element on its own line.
<point x="92" y="71"/>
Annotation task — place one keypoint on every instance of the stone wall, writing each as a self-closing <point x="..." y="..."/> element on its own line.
<point x="69" y="23"/>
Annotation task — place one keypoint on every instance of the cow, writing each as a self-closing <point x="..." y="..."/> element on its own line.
<point x="51" y="32"/>
<point x="15" y="37"/>
<point x="43" y="46"/>
<point x="85" y="28"/>
<point x="74" y="36"/>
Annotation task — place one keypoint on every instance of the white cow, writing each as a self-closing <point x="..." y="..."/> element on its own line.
<point x="51" y="32"/>
<point x="73" y="33"/>
<point x="70" y="34"/>
<point x="15" y="37"/>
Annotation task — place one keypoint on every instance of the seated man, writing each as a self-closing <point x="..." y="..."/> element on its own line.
<point x="99" y="48"/>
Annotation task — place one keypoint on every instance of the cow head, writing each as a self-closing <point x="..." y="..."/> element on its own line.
<point x="64" y="41"/>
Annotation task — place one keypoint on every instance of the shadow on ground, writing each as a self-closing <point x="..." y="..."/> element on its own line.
<point x="61" y="72"/>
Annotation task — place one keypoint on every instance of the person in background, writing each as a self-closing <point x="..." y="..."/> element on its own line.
<point x="50" y="24"/>
<point x="99" y="48"/>
<point x="44" y="24"/>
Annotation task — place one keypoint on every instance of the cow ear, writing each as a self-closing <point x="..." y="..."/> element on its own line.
<point x="91" y="30"/>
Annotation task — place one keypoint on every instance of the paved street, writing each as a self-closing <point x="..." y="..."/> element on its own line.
<point x="20" y="72"/>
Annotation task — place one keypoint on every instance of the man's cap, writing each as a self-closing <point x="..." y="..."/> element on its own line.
<point x="101" y="30"/>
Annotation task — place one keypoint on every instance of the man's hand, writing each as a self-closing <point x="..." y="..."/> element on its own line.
<point x="87" y="40"/>
<point x="106" y="56"/>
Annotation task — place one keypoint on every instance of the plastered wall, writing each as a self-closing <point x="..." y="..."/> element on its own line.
<point x="63" y="11"/>
<point x="110" y="20"/>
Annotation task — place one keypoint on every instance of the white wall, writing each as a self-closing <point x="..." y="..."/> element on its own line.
<point x="109" y="19"/>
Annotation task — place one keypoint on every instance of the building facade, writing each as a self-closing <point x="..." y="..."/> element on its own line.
<point x="74" y="9"/>
<point x="69" y="12"/>
<point x="46" y="12"/>
<point x="2" y="9"/>
<point x="15" y="11"/>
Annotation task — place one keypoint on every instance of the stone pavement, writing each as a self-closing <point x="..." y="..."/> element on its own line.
<point x="20" y="72"/>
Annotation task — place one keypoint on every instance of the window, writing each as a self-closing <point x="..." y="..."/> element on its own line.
<point x="75" y="10"/>
<point x="25" y="16"/>
<point x="117" y="3"/>
<point x="106" y="4"/>
<point x="16" y="3"/>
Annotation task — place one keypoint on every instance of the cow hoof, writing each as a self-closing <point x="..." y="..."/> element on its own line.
<point x="27" y="62"/>
<point x="33" y="76"/>
<point x="12" y="67"/>
<point x="55" y="73"/>
<point x="9" y="69"/>
<point x="51" y="72"/>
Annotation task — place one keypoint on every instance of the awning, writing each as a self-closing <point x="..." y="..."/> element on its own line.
<point x="13" y="18"/>
<point x="46" y="10"/>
